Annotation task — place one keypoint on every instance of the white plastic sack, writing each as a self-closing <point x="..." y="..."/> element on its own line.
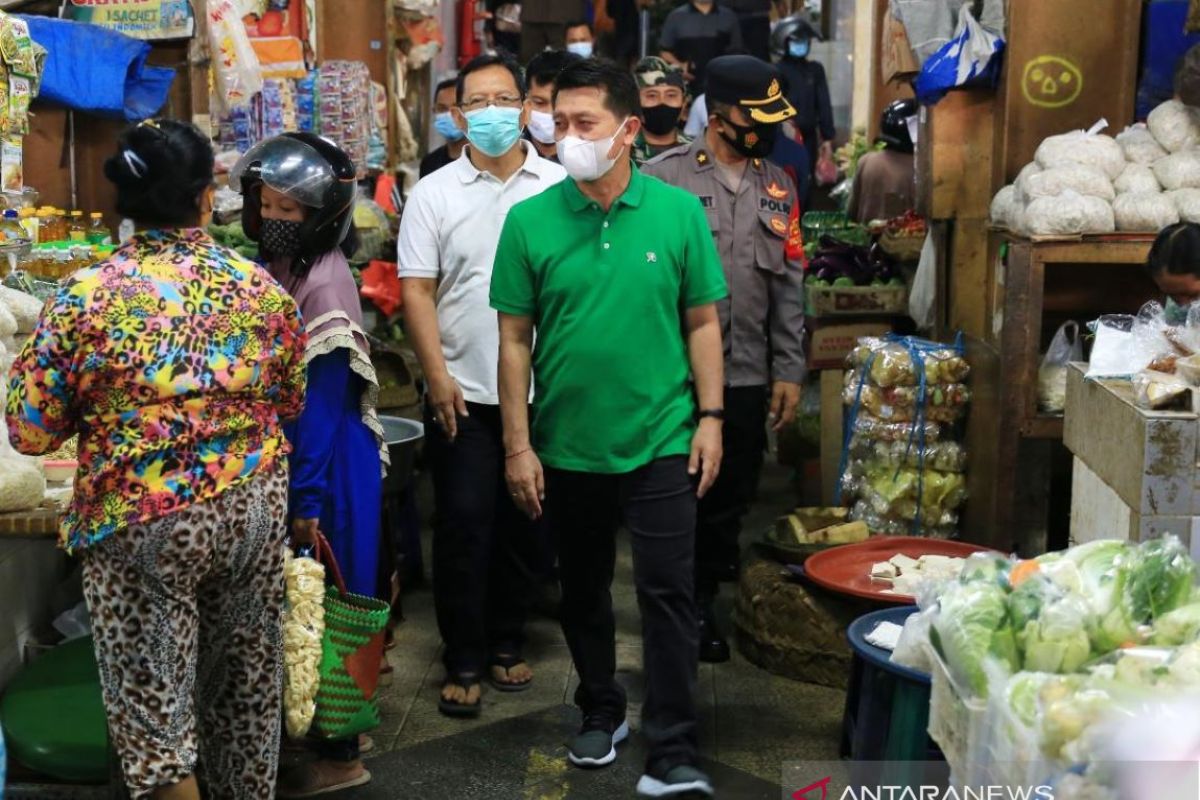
<point x="1179" y="170"/>
<point x="1068" y="213"/>
<point x="1054" y="181"/>
<point x="1032" y="168"/>
<point x="1136" y="179"/>
<point x="1144" y="211"/>
<point x="1139" y="145"/>
<point x="1003" y="207"/>
<point x="236" y="67"/>
<point x="1115" y="352"/>
<point x="1082" y="147"/>
<point x="1066" y="347"/>
<point x="1187" y="201"/>
<point x="922" y="301"/>
<point x="1175" y="126"/>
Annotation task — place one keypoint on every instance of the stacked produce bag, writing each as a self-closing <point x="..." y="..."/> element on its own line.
<point x="903" y="466"/>
<point x="1144" y="179"/>
<point x="1056" y="646"/>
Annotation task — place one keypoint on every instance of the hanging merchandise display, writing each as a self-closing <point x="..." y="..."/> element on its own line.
<point x="343" y="107"/>
<point x="235" y="64"/>
<point x="140" y="19"/>
<point x="902" y="462"/>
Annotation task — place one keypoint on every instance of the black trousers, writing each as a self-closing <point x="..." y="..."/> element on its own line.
<point x="538" y="36"/>
<point x="719" y="522"/>
<point x="657" y="504"/>
<point x="756" y="34"/>
<point x="482" y="543"/>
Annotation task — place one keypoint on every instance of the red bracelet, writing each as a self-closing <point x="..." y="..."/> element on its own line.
<point x="518" y="453"/>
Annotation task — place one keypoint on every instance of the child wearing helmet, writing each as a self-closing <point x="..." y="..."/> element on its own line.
<point x="299" y="192"/>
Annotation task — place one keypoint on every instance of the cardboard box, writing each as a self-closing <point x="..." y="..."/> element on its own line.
<point x="830" y="342"/>
<point x="897" y="60"/>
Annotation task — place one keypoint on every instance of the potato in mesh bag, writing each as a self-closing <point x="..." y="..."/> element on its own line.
<point x="303" y="628"/>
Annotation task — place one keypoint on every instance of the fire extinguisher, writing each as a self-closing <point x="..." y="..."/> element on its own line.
<point x="472" y="15"/>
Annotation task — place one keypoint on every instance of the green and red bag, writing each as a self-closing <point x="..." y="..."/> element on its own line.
<point x="351" y="652"/>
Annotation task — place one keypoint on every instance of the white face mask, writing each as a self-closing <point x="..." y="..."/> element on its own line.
<point x="586" y="159"/>
<point x="541" y="127"/>
<point x="582" y="49"/>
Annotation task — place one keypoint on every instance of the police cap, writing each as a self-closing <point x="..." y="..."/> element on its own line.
<point x="750" y="83"/>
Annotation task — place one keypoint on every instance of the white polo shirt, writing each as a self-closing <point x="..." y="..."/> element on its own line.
<point x="449" y="231"/>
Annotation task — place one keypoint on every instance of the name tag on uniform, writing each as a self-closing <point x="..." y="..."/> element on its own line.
<point x="775" y="206"/>
<point x="708" y="201"/>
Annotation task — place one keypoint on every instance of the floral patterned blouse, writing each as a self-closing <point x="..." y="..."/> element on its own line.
<point x="174" y="361"/>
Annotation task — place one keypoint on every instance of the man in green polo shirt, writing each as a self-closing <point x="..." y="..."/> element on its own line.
<point x="618" y="275"/>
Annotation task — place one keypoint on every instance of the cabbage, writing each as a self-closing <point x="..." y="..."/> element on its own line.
<point x="972" y="628"/>
<point x="1102" y="573"/>
<point x="1184" y="667"/>
<point x="1051" y="626"/>
<point x="1022" y="695"/>
<point x="1180" y="626"/>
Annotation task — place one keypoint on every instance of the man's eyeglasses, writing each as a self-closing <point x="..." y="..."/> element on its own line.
<point x="502" y="100"/>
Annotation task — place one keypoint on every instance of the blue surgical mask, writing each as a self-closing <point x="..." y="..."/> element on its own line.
<point x="443" y="123"/>
<point x="494" y="130"/>
<point x="583" y="49"/>
<point x="798" y="48"/>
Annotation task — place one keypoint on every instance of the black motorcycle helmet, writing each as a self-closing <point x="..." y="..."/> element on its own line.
<point x="893" y="125"/>
<point x="793" y="27"/>
<point x="309" y="169"/>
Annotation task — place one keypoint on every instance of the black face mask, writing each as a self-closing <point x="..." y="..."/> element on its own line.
<point x="280" y="237"/>
<point x="752" y="141"/>
<point x="660" y="120"/>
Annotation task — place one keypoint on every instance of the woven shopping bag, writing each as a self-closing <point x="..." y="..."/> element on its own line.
<point x="351" y="652"/>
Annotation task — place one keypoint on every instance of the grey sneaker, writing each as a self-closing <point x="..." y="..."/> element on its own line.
<point x="682" y="779"/>
<point x="596" y="744"/>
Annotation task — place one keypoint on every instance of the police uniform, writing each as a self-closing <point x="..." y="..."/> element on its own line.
<point x="757" y="232"/>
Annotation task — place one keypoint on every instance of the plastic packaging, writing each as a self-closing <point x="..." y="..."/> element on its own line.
<point x="1140" y="146"/>
<point x="1144" y="211"/>
<point x="1175" y="126"/>
<point x="303" y="628"/>
<point x="1179" y="170"/>
<point x="1082" y="178"/>
<point x="1136" y="179"/>
<point x="1089" y="148"/>
<point x="235" y="64"/>
<point x="1052" y="374"/>
<point x="1158" y="390"/>
<point x="890" y="363"/>
<point x="1067" y="214"/>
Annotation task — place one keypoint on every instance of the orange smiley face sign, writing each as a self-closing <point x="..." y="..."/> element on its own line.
<point x="1051" y="82"/>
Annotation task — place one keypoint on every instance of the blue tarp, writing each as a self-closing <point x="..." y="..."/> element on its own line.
<point x="93" y="69"/>
<point x="1164" y="45"/>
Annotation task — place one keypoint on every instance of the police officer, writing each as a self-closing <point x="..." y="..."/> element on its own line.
<point x="753" y="211"/>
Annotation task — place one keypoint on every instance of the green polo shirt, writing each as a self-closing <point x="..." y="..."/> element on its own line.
<point x="607" y="293"/>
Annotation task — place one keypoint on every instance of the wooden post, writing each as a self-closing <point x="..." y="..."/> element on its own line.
<point x="832" y="381"/>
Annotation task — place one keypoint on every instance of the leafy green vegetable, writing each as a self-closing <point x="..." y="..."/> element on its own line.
<point x="1022" y="694"/>
<point x="1161" y="577"/>
<point x="973" y="628"/>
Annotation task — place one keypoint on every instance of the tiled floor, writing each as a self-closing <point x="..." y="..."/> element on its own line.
<point x="751" y="721"/>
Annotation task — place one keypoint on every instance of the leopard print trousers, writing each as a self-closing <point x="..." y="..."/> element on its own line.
<point x="186" y="620"/>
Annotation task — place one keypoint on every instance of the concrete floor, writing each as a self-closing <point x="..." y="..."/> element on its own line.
<point x="751" y="722"/>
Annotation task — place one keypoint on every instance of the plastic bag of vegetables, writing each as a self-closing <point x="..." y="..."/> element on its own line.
<point x="971" y="629"/>
<point x="1051" y="626"/>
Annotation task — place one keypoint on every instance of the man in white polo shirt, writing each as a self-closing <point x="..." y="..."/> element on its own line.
<point x="448" y="237"/>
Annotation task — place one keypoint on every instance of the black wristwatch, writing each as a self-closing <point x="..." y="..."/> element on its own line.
<point x="712" y="413"/>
